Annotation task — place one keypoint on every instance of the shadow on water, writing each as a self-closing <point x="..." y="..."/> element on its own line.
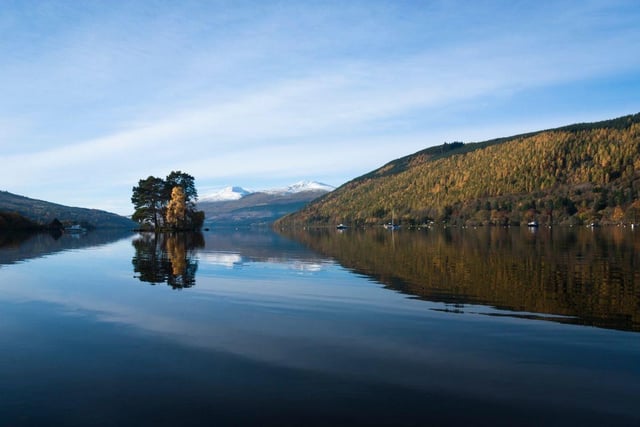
<point x="21" y="246"/>
<point x="579" y="276"/>
<point x="167" y="258"/>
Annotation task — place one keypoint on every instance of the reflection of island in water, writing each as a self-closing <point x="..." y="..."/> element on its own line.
<point x="580" y="276"/>
<point x="167" y="258"/>
<point x="21" y="246"/>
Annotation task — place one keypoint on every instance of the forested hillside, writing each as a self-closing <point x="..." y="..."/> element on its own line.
<point x="581" y="173"/>
<point x="43" y="213"/>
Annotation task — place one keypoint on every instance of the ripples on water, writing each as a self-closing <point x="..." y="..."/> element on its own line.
<point x="478" y="327"/>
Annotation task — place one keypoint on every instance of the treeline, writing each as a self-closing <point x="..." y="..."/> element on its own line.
<point x="577" y="174"/>
<point x="15" y="221"/>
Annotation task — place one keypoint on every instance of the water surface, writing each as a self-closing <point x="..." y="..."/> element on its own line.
<point x="256" y="328"/>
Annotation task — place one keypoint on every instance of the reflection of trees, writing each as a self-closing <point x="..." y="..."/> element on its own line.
<point x="167" y="258"/>
<point x="20" y="246"/>
<point x="592" y="275"/>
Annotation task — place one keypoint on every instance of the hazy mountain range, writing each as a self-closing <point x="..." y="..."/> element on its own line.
<point x="236" y="193"/>
<point x="235" y="206"/>
<point x="231" y="206"/>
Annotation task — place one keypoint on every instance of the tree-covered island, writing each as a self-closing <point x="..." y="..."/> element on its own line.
<point x="167" y="204"/>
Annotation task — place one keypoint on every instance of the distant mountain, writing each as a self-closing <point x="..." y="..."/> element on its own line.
<point x="303" y="186"/>
<point x="261" y="207"/>
<point x="236" y="193"/>
<point x="585" y="173"/>
<point x="44" y="212"/>
<point x="226" y="194"/>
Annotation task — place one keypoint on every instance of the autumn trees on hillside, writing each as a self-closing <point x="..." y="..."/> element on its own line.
<point x="167" y="204"/>
<point x="584" y="173"/>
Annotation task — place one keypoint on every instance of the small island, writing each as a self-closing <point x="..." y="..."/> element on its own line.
<point x="167" y="204"/>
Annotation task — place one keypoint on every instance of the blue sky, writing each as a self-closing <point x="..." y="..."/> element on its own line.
<point x="95" y="95"/>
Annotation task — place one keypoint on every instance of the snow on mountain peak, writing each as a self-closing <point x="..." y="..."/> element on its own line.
<point x="309" y="186"/>
<point x="301" y="186"/>
<point x="237" y="193"/>
<point x="228" y="193"/>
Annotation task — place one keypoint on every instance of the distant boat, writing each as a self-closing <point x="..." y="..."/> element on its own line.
<point x="75" y="229"/>
<point x="341" y="226"/>
<point x="532" y="224"/>
<point x="391" y="225"/>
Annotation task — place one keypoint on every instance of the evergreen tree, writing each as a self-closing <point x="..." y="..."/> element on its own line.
<point x="148" y="202"/>
<point x="186" y="182"/>
<point x="167" y="203"/>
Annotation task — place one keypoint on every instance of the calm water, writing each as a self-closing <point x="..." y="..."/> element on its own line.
<point x="430" y="327"/>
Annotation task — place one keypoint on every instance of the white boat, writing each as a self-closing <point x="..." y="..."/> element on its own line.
<point x="341" y="226"/>
<point x="75" y="229"/>
<point x="532" y="224"/>
<point x="391" y="225"/>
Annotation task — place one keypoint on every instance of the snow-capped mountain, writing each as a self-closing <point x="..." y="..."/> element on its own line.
<point x="237" y="206"/>
<point x="237" y="193"/>
<point x="302" y="186"/>
<point x="226" y="194"/>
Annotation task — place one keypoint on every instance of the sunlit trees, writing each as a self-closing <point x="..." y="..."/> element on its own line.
<point x="176" y="209"/>
<point x="580" y="172"/>
<point x="167" y="204"/>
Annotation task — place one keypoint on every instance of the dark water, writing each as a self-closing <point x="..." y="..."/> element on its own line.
<point x="437" y="327"/>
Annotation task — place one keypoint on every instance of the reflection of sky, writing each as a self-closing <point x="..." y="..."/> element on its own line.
<point x="328" y="321"/>
<point x="224" y="259"/>
<point x="211" y="261"/>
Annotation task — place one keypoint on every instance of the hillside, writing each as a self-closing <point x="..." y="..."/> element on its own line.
<point x="582" y="173"/>
<point x="255" y="208"/>
<point x="43" y="213"/>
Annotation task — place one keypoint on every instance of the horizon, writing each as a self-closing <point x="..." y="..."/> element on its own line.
<point x="261" y="95"/>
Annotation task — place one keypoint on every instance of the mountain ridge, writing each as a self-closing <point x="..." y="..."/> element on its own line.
<point x="238" y="192"/>
<point x="580" y="173"/>
<point x="226" y="194"/>
<point x="258" y="208"/>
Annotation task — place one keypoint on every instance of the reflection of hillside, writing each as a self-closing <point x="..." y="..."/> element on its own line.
<point x="16" y="247"/>
<point x="589" y="275"/>
<point x="167" y="258"/>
